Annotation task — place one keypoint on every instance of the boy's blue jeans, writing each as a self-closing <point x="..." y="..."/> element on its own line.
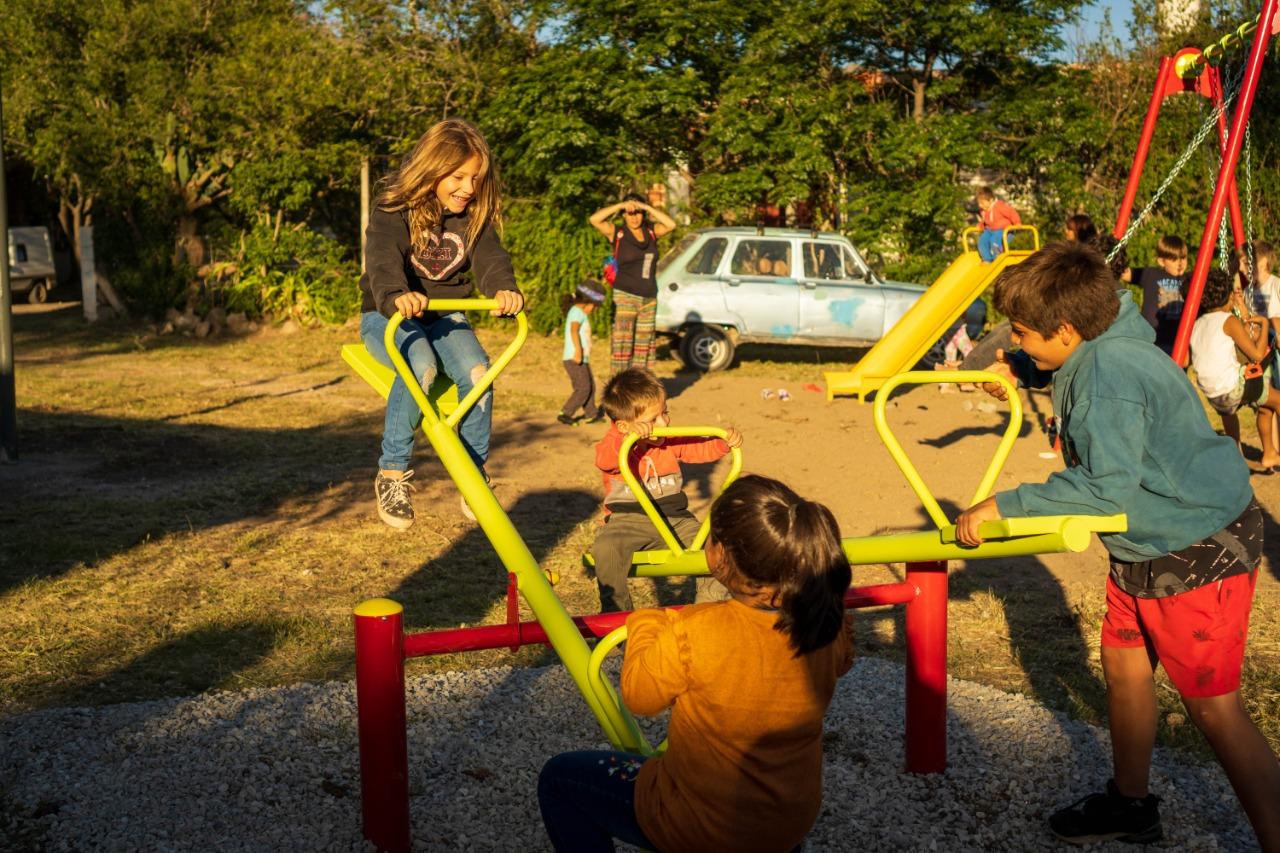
<point x="990" y="244"/>
<point x="588" y="799"/>
<point x="449" y="339"/>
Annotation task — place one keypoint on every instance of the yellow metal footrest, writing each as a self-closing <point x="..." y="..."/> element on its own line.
<point x="443" y="394"/>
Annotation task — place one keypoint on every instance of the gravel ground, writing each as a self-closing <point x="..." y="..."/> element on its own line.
<point x="277" y="770"/>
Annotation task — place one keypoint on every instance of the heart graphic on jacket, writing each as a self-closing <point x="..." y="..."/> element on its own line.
<point x="443" y="256"/>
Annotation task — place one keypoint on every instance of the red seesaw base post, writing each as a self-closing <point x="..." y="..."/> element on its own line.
<point x="926" y="629"/>
<point x="384" y="750"/>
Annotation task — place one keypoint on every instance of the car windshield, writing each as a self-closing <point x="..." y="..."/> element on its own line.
<point x="684" y="242"/>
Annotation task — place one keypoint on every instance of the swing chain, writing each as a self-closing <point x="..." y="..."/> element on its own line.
<point x="1205" y="129"/>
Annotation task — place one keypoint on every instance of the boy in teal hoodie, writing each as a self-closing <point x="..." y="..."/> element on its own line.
<point x="1136" y="440"/>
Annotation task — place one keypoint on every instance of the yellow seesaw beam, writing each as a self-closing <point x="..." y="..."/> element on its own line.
<point x="925" y="321"/>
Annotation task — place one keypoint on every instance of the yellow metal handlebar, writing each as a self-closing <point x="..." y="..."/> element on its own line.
<point x="928" y="377"/>
<point x="630" y="737"/>
<point x="411" y="382"/>
<point x="642" y="496"/>
<point x="974" y="230"/>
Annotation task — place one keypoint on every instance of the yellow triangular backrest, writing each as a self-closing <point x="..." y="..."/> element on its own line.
<point x="443" y="394"/>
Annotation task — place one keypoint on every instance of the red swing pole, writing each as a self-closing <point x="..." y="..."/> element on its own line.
<point x="1230" y="157"/>
<point x="1144" y="145"/>
<point x="1233" y="197"/>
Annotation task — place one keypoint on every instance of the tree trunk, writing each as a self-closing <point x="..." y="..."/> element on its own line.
<point x="188" y="247"/>
<point x="917" y="99"/>
<point x="74" y="212"/>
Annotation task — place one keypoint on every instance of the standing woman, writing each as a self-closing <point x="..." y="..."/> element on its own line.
<point x="635" y="290"/>
<point x="432" y="235"/>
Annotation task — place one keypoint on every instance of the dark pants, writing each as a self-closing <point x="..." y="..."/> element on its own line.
<point x="628" y="532"/>
<point x="589" y="798"/>
<point x="584" y="390"/>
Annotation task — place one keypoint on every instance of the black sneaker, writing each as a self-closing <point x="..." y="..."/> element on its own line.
<point x="1109" y="817"/>
<point x="597" y="418"/>
<point x="394" y="505"/>
<point x="566" y="420"/>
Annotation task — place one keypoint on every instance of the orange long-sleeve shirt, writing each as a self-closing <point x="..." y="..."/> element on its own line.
<point x="656" y="466"/>
<point x="999" y="216"/>
<point x="743" y="769"/>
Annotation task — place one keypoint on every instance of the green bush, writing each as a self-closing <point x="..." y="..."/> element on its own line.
<point x="552" y="251"/>
<point x="287" y="271"/>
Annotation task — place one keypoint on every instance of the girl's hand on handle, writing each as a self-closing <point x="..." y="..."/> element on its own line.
<point x="509" y="302"/>
<point x="1000" y="368"/>
<point x="411" y="304"/>
<point x="971" y="519"/>
<point x="732" y="437"/>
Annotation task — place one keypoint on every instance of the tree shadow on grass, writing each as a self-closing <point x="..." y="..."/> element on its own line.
<point x="88" y="487"/>
<point x="200" y="660"/>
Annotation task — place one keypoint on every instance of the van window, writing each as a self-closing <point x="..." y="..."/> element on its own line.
<point x="707" y="259"/>
<point x="762" y="258"/>
<point x="19" y="253"/>
<point x="675" y="251"/>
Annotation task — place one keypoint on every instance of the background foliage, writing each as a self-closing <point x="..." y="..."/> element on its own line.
<point x="215" y="145"/>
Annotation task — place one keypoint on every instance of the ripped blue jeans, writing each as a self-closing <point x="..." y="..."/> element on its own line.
<point x="430" y="343"/>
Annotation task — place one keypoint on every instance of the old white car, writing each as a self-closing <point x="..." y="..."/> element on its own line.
<point x="719" y="287"/>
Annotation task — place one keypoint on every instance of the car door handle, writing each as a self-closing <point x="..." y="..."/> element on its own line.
<point x="809" y="285"/>
<point x="733" y="282"/>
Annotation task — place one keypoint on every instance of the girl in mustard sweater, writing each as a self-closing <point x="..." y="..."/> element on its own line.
<point x="748" y="680"/>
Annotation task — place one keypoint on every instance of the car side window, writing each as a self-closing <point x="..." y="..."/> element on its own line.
<point x="707" y="259"/>
<point x="823" y="261"/>
<point x="20" y="253"/>
<point x="770" y="258"/>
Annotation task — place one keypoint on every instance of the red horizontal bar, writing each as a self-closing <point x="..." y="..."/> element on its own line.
<point x="484" y="637"/>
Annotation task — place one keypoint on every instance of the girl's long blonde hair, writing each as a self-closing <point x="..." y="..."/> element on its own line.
<point x="441" y="150"/>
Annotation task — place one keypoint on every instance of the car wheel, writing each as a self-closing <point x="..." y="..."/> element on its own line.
<point x="706" y="348"/>
<point x="983" y="353"/>
<point x="38" y="293"/>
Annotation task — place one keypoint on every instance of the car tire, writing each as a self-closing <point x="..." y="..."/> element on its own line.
<point x="38" y="293"/>
<point x="706" y="348"/>
<point x="983" y="354"/>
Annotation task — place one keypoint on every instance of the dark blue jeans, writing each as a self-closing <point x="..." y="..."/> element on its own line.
<point x="589" y="798"/>
<point x="449" y="339"/>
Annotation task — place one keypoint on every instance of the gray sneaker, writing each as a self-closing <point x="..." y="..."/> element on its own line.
<point x="394" y="505"/>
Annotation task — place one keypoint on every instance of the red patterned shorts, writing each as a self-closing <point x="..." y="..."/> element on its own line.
<point x="1198" y="635"/>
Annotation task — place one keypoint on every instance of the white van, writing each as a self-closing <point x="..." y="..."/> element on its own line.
<point x="31" y="268"/>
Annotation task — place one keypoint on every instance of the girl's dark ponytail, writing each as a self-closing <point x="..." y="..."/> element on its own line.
<point x="812" y="592"/>
<point x="773" y="537"/>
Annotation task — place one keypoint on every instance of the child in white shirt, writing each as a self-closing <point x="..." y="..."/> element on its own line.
<point x="1224" y="328"/>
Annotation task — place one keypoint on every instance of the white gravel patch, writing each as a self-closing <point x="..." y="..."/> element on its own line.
<point x="276" y="770"/>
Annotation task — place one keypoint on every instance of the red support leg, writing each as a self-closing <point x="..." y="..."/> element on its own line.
<point x="926" y="743"/>
<point x="384" y="752"/>
<point x="1144" y="145"/>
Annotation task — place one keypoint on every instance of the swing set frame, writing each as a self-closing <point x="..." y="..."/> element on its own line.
<point x="1192" y="71"/>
